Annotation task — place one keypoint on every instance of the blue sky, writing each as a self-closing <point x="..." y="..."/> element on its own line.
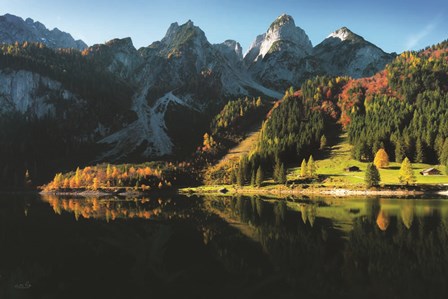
<point x="394" y="26"/>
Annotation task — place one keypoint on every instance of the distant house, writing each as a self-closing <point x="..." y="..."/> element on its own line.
<point x="430" y="171"/>
<point x="352" y="169"/>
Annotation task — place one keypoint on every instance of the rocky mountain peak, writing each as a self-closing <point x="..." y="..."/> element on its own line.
<point x="13" y="28"/>
<point x="178" y="35"/>
<point x="344" y="34"/>
<point x="231" y="49"/>
<point x="282" y="32"/>
<point x="282" y="21"/>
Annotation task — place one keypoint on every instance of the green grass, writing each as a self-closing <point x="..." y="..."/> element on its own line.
<point x="333" y="174"/>
<point x="330" y="171"/>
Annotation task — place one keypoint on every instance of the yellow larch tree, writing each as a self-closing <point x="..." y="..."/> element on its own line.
<point x="381" y="159"/>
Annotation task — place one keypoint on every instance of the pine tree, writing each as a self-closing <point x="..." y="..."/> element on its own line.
<point x="406" y="173"/>
<point x="282" y="174"/>
<point x="399" y="151"/>
<point x="277" y="169"/>
<point x="419" y="151"/>
<point x="303" y="169"/>
<point x="372" y="177"/>
<point x="323" y="142"/>
<point x="311" y="167"/>
<point x="444" y="152"/>
<point x="381" y="159"/>
<point x="259" y="177"/>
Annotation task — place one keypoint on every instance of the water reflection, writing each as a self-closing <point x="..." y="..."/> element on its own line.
<point x="223" y="247"/>
<point x="113" y="209"/>
<point x="391" y="248"/>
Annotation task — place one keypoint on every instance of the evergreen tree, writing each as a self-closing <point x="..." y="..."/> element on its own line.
<point x="381" y="159"/>
<point x="444" y="153"/>
<point x="323" y="142"/>
<point x="372" y="176"/>
<point x="399" y="151"/>
<point x="259" y="177"/>
<point x="406" y="173"/>
<point x="419" y="151"/>
<point x="303" y="169"/>
<point x="282" y="174"/>
<point x="311" y="167"/>
<point x="277" y="169"/>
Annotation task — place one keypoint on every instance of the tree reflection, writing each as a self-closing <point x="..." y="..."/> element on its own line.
<point x="110" y="210"/>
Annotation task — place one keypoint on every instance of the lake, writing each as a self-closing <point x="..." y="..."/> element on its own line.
<point x="222" y="247"/>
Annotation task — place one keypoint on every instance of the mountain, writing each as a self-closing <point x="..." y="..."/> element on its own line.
<point x="183" y="75"/>
<point x="278" y="58"/>
<point x="13" y="28"/>
<point x="113" y="102"/>
<point x="346" y="53"/>
<point x="284" y="56"/>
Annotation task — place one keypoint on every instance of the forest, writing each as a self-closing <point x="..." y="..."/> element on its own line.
<point x="403" y="110"/>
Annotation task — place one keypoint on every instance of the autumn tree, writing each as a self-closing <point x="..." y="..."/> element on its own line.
<point x="372" y="176"/>
<point x="381" y="159"/>
<point x="95" y="184"/>
<point x="208" y="142"/>
<point x="407" y="175"/>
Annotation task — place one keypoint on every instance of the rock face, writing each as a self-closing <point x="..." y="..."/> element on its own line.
<point x="279" y="57"/>
<point x="117" y="56"/>
<point x="232" y="51"/>
<point x="345" y="53"/>
<point x="32" y="94"/>
<point x="14" y="29"/>
<point x="185" y="73"/>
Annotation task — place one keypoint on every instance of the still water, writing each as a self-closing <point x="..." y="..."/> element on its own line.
<point x="222" y="247"/>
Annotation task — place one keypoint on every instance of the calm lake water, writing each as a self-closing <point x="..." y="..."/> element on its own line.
<point x="217" y="247"/>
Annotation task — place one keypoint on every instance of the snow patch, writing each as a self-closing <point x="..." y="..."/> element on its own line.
<point x="340" y="34"/>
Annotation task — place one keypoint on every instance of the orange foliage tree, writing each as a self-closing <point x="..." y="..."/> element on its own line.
<point x="381" y="159"/>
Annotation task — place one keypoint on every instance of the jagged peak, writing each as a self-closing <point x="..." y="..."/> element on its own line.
<point x="283" y="30"/>
<point x="179" y="34"/>
<point x="12" y="18"/>
<point x="281" y="21"/>
<point x="344" y="34"/>
<point x="231" y="46"/>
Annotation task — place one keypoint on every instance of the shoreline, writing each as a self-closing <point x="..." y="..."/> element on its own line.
<point x="282" y="191"/>
<point x="332" y="192"/>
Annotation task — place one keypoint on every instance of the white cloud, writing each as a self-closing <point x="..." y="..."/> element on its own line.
<point x="415" y="39"/>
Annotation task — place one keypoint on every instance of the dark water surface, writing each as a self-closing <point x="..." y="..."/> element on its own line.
<point x="212" y="247"/>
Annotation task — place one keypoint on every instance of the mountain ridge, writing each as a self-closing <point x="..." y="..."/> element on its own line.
<point x="15" y="29"/>
<point x="183" y="74"/>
